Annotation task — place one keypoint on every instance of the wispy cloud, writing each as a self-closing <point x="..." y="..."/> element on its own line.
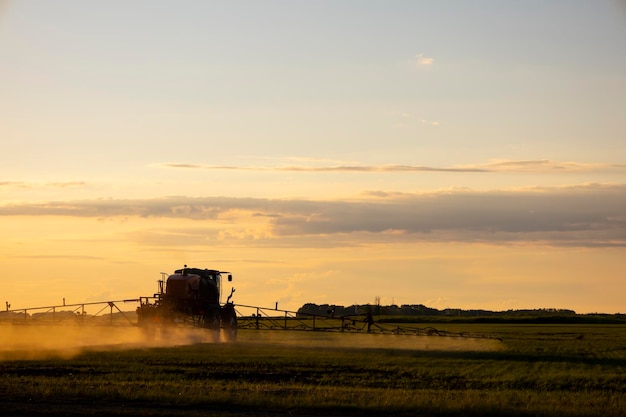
<point x="587" y="215"/>
<point x="545" y="165"/>
<point x="336" y="168"/>
<point x="423" y="60"/>
<point x="47" y="185"/>
<point x="501" y="166"/>
<point x="407" y="119"/>
<point x="429" y="122"/>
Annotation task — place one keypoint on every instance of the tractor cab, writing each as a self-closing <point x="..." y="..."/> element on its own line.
<point x="196" y="283"/>
<point x="193" y="290"/>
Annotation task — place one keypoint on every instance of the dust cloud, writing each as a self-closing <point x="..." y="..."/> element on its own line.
<point x="368" y="340"/>
<point x="32" y="342"/>
<point x="26" y="342"/>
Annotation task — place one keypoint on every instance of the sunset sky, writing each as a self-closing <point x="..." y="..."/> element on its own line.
<point x="463" y="154"/>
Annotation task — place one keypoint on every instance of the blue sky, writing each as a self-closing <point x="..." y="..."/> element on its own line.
<point x="288" y="125"/>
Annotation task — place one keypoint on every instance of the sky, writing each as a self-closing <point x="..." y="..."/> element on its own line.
<point x="457" y="154"/>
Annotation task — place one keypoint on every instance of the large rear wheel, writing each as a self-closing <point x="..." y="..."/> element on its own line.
<point x="229" y="323"/>
<point x="211" y="321"/>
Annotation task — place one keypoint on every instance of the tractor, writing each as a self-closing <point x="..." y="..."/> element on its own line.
<point x="191" y="297"/>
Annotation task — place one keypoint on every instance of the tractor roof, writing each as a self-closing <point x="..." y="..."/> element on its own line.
<point x="200" y="272"/>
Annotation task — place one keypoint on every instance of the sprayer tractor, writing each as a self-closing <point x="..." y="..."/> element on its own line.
<point x="190" y="297"/>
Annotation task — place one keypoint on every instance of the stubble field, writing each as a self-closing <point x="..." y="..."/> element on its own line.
<point x="522" y="370"/>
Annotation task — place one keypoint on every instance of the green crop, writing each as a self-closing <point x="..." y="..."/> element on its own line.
<point x="516" y="370"/>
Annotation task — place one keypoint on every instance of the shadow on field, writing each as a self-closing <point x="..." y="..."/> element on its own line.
<point x="80" y="408"/>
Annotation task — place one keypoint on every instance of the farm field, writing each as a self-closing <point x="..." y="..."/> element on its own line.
<point x="520" y="370"/>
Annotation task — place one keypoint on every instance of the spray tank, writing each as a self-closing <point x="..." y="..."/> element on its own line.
<point x="191" y="296"/>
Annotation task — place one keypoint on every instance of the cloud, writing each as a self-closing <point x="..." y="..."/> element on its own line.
<point x="422" y="60"/>
<point x="497" y="166"/>
<point x="429" y="122"/>
<point x="48" y="185"/>
<point x="336" y="168"/>
<point x="545" y="165"/>
<point x="586" y="215"/>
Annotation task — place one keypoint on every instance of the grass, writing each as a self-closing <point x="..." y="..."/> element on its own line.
<point x="547" y="370"/>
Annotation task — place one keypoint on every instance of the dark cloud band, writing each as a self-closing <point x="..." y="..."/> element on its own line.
<point x="587" y="215"/>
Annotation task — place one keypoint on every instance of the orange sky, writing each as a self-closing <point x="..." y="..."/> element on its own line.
<point x="468" y="156"/>
<point x="97" y="258"/>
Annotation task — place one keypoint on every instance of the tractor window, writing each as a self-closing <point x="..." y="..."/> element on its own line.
<point x="218" y="281"/>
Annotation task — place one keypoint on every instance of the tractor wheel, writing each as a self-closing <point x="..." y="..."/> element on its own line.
<point x="230" y="327"/>
<point x="229" y="322"/>
<point x="148" y="331"/>
<point x="147" y="321"/>
<point x="211" y="321"/>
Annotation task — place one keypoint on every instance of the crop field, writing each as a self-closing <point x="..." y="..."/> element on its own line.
<point x="519" y="370"/>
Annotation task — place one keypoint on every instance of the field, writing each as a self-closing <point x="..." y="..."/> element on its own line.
<point x="522" y="370"/>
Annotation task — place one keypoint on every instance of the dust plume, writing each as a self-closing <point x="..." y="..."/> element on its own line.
<point x="32" y="342"/>
<point x="369" y="340"/>
<point x="24" y="342"/>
